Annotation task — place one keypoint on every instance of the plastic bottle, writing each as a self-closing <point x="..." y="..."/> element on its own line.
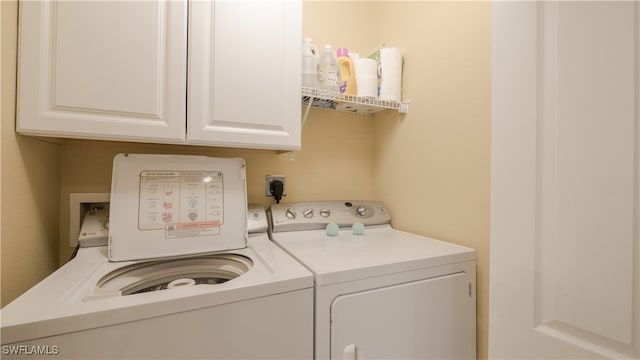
<point x="310" y="61"/>
<point x="347" y="73"/>
<point x="328" y="70"/>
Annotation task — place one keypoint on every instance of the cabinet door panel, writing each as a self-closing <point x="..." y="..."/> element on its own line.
<point x="244" y="73"/>
<point x="103" y="70"/>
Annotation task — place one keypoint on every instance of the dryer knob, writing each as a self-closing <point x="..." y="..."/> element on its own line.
<point x="361" y="211"/>
<point x="290" y="214"/>
<point x="308" y="213"/>
<point x="325" y="213"/>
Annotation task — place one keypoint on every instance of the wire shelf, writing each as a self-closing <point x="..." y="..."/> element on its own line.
<point x="329" y="100"/>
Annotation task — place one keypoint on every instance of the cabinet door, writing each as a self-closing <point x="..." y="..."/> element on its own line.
<point x="103" y="69"/>
<point x="244" y="73"/>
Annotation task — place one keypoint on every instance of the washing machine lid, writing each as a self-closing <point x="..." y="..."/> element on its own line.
<point x="176" y="205"/>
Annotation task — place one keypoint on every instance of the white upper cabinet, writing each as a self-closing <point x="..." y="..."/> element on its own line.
<point x="244" y="59"/>
<point x="120" y="70"/>
<point x="103" y="70"/>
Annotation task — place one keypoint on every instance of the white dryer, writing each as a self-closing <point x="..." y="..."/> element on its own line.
<point x="180" y="278"/>
<point x="381" y="293"/>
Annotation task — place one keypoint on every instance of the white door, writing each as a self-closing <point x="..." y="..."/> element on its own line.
<point x="245" y="73"/>
<point x="565" y="203"/>
<point x="425" y="319"/>
<point x="103" y="69"/>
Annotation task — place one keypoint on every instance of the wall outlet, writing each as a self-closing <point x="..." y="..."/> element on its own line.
<point x="268" y="179"/>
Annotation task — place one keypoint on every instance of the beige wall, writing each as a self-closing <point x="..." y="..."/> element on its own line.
<point x="431" y="167"/>
<point x="30" y="185"/>
<point x="333" y="164"/>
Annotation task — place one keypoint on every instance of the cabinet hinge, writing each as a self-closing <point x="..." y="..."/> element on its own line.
<point x="469" y="289"/>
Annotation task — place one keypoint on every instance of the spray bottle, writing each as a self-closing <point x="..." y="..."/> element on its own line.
<point x="310" y="61"/>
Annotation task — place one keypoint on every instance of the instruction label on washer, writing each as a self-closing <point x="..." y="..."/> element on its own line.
<point x="184" y="203"/>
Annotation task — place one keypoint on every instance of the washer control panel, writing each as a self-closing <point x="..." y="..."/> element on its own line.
<point x="316" y="215"/>
<point x="256" y="219"/>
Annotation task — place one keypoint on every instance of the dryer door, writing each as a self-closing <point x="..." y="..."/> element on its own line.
<point x="425" y="319"/>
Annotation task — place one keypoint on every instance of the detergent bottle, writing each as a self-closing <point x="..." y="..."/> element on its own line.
<point x="328" y="70"/>
<point x="347" y="82"/>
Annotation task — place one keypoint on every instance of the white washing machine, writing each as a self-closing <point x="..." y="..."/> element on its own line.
<point x="381" y="293"/>
<point x="180" y="278"/>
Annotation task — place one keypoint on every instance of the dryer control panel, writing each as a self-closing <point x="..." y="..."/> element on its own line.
<point x="316" y="215"/>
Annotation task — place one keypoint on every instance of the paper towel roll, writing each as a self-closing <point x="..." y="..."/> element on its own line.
<point x="390" y="74"/>
<point x="367" y="77"/>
